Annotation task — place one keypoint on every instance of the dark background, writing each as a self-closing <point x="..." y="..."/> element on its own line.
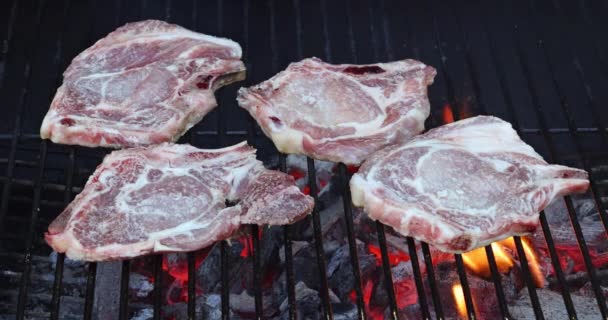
<point x="541" y="65"/>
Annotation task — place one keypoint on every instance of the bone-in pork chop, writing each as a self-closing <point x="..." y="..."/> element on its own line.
<point x="342" y="113"/>
<point x="171" y="198"/>
<point x="462" y="185"/>
<point x="145" y="83"/>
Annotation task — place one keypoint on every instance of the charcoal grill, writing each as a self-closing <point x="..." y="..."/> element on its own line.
<point x="542" y="65"/>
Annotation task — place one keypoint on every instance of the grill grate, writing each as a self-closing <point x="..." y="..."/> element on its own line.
<point x="507" y="59"/>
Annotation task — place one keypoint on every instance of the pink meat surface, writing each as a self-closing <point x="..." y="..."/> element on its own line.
<point x="462" y="185"/>
<point x="342" y="113"/>
<point x="146" y="83"/>
<point x="171" y="198"/>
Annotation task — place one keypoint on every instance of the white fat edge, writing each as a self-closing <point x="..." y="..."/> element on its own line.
<point x="102" y="74"/>
<point x="179" y="33"/>
<point x="73" y="245"/>
<point x="287" y="140"/>
<point x="359" y="187"/>
<point x="238" y="174"/>
<point x="489" y="138"/>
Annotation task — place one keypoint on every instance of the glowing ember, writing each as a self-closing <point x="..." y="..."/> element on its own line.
<point x="393" y="257"/>
<point x="458" y="296"/>
<point x="297" y="174"/>
<point x="477" y="262"/>
<point x="405" y="290"/>
<point x="247" y="242"/>
<point x="372" y="313"/>
<point x="352" y="169"/>
<point x="447" y="114"/>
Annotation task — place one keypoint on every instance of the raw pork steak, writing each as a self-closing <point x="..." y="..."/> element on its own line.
<point x="463" y="185"/>
<point x="341" y="113"/>
<point x="172" y="198"/>
<point x="145" y="83"/>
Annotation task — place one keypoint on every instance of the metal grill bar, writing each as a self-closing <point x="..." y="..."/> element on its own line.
<point x="352" y="243"/>
<point x="452" y="101"/>
<point x="124" y="290"/>
<point x="571" y="125"/>
<point x="9" y="35"/>
<point x="507" y="98"/>
<point x="538" y="311"/>
<point x="462" y="275"/>
<point x="191" y="286"/>
<point x="418" y="278"/>
<point x="58" y="281"/>
<point x="224" y="265"/>
<point x="57" y="285"/>
<point x="157" y="294"/>
<point x="90" y="291"/>
<point x="500" y="295"/>
<point x="344" y="176"/>
<point x="388" y="274"/>
<point x="318" y="239"/>
<point x="257" y="272"/>
<point x="590" y="24"/>
<point x="24" y="284"/>
<point x="473" y="75"/>
<point x="380" y="228"/>
<point x="290" y="278"/>
<point x="17" y="130"/>
<point x="592" y="42"/>
<point x="548" y="140"/>
<point x="312" y="184"/>
<point x="430" y="270"/>
<point x="563" y="285"/>
<point x="25" y="277"/>
<point x="425" y="248"/>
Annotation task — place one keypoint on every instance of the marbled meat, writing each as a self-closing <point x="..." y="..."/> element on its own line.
<point x="462" y="185"/>
<point x="146" y="83"/>
<point x="341" y="113"/>
<point x="171" y="198"/>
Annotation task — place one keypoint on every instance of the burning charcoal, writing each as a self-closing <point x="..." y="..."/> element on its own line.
<point x="340" y="273"/>
<point x="561" y="229"/>
<point x="243" y="304"/>
<point x="177" y="310"/>
<point x="345" y="311"/>
<point x="553" y="306"/>
<point x="140" y="285"/>
<point x="71" y="308"/>
<point x="308" y="303"/>
<point x="330" y="216"/>
<point x="143" y="314"/>
<point x="209" y="272"/>
<point x="295" y="248"/>
<point x="304" y="267"/>
<point x="209" y="306"/>
<point x="270" y="244"/>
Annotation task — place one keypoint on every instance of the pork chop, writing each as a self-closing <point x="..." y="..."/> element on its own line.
<point x="462" y="185"/>
<point x="341" y="113"/>
<point x="171" y="198"/>
<point x="146" y="83"/>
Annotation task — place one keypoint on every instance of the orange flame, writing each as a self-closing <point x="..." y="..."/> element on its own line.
<point x="533" y="264"/>
<point x="447" y="113"/>
<point x="477" y="262"/>
<point x="458" y="296"/>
